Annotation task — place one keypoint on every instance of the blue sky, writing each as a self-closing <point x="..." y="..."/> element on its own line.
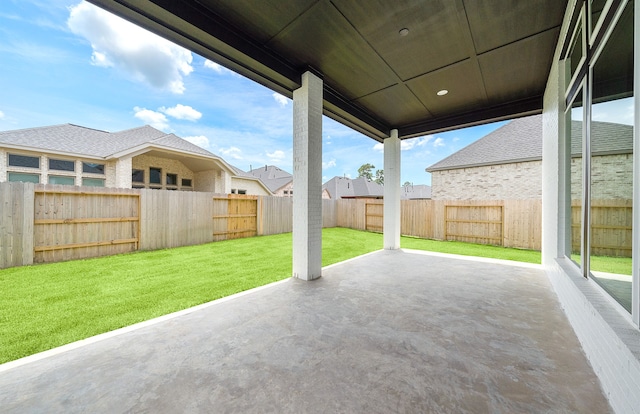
<point x="65" y="61"/>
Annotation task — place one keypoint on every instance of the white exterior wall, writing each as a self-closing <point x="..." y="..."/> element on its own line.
<point x="608" y="337"/>
<point x="518" y="180"/>
<point x="252" y="187"/>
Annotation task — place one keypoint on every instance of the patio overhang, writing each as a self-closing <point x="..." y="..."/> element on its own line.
<point x="382" y="63"/>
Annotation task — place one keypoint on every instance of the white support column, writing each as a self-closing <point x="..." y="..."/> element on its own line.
<point x="307" y="178"/>
<point x="391" y="223"/>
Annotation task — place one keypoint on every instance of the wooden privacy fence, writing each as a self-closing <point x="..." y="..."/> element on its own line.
<point x="510" y="223"/>
<point x="374" y="217"/>
<point x="71" y="225"/>
<point x="47" y="223"/>
<point x="474" y="223"/>
<point x="611" y="227"/>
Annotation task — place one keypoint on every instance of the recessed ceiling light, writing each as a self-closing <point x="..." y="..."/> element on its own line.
<point x="404" y="32"/>
<point x="442" y="92"/>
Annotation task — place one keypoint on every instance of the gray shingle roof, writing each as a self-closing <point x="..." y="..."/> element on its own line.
<point x="272" y="176"/>
<point x="343" y="187"/>
<point x="415" y="192"/>
<point x="80" y="140"/>
<point x="521" y="140"/>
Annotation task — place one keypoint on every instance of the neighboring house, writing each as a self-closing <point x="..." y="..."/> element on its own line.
<point x="279" y="182"/>
<point x="507" y="163"/>
<point x="343" y="187"/>
<point x="415" y="192"/>
<point x="142" y="157"/>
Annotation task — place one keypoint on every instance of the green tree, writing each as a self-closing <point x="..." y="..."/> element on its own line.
<point x="366" y="171"/>
<point x="406" y="184"/>
<point x="379" y="177"/>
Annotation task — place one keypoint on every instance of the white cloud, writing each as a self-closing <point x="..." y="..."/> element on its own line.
<point x="439" y="142"/>
<point x="379" y="147"/>
<point x="1" y="115"/>
<point x="424" y="140"/>
<point x="232" y="152"/>
<point x="217" y="68"/>
<point x="199" y="140"/>
<point x="140" y="54"/>
<point x="276" y="155"/>
<point x="326" y="165"/>
<point x="282" y="100"/>
<point x="182" y="112"/>
<point x="153" y="118"/>
<point x="406" y="145"/>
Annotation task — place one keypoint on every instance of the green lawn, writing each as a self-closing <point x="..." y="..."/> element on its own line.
<point x="45" y="306"/>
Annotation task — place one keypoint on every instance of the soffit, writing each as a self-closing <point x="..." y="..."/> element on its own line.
<point x="493" y="57"/>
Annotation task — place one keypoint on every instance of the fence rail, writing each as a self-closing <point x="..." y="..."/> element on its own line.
<point x="44" y="223"/>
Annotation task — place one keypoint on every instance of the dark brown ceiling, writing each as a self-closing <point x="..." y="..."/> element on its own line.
<point x="492" y="56"/>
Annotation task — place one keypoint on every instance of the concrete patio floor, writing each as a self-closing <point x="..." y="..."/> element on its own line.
<point x="393" y="331"/>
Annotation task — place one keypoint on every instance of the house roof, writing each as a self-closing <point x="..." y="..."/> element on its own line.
<point x="343" y="187"/>
<point x="492" y="57"/>
<point x="273" y="177"/>
<point x="521" y="140"/>
<point x="83" y="141"/>
<point x="415" y="192"/>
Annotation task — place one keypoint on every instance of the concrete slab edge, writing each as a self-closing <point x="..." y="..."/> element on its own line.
<point x="476" y="259"/>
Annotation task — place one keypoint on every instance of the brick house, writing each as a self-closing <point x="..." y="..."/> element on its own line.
<point x="142" y="157"/>
<point x="507" y="163"/>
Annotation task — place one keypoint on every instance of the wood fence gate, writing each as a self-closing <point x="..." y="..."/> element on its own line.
<point x="374" y="217"/>
<point x="235" y="217"/>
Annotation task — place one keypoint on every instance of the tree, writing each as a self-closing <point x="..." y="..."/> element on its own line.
<point x="379" y="177"/>
<point x="365" y="171"/>
<point x="406" y="184"/>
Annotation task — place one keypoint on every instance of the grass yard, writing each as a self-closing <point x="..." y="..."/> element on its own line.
<point x="48" y="305"/>
<point x="45" y="306"/>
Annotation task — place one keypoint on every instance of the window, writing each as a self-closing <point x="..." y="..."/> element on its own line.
<point x="16" y="160"/>
<point x="233" y="191"/>
<point x="93" y="182"/>
<point x="599" y="152"/>
<point x="186" y="182"/>
<point x="57" y="179"/>
<point x="172" y="179"/>
<point x="242" y="191"/>
<point x="92" y="168"/>
<point x="27" y="178"/>
<point x="137" y="176"/>
<point x="61" y="165"/>
<point x="155" y="175"/>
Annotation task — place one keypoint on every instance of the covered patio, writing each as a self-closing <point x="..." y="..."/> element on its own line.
<point x="392" y="331"/>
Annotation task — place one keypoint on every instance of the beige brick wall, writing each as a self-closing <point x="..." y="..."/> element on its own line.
<point x="3" y="166"/>
<point x="611" y="177"/>
<point x="496" y="182"/>
<point x="167" y="165"/>
<point x="281" y="191"/>
<point x="206" y="180"/>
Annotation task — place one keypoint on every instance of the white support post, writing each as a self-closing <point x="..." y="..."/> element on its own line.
<point x="391" y="227"/>
<point x="307" y="178"/>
